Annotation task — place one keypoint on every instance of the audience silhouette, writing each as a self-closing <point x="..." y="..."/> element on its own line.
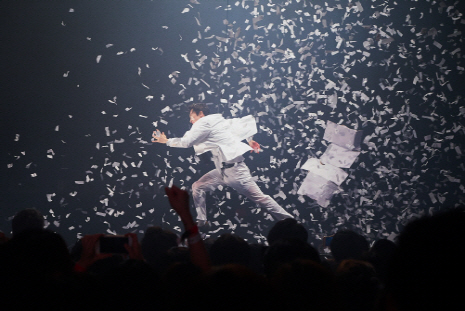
<point x="166" y="272"/>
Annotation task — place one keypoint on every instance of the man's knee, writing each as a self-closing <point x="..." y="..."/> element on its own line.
<point x="195" y="186"/>
<point x="199" y="188"/>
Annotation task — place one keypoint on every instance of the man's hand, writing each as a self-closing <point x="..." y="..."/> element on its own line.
<point x="255" y="146"/>
<point x="158" y="137"/>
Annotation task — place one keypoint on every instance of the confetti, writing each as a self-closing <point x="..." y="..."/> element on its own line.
<point x="390" y="144"/>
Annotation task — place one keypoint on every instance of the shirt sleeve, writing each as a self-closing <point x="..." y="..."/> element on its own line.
<point x="244" y="128"/>
<point x="196" y="135"/>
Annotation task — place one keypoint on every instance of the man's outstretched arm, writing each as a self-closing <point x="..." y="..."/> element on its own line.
<point x="194" y="136"/>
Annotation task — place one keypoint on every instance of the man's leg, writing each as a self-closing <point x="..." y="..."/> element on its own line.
<point x="240" y="179"/>
<point x="208" y="182"/>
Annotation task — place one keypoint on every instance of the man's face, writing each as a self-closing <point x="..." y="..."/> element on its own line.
<point x="195" y="117"/>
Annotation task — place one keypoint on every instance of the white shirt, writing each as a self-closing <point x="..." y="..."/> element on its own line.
<point x="220" y="136"/>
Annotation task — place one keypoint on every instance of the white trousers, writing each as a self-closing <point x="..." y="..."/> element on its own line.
<point x="239" y="178"/>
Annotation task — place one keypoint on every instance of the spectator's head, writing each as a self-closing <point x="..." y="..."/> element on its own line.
<point x="232" y="287"/>
<point x="156" y="242"/>
<point x="129" y="285"/>
<point x="175" y="255"/>
<point x="36" y="264"/>
<point x="39" y="253"/>
<point x="347" y="244"/>
<point x="27" y="219"/>
<point x="230" y="249"/>
<point x="307" y="285"/>
<point x="178" y="254"/>
<point x="257" y="252"/>
<point x="429" y="263"/>
<point x="287" y="228"/>
<point x="358" y="284"/>
<point x="181" y="286"/>
<point x="379" y="256"/>
<point x="285" y="251"/>
<point x="383" y="248"/>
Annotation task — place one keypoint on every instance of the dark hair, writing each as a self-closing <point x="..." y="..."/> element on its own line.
<point x="285" y="251"/>
<point x="287" y="228"/>
<point x="347" y="244"/>
<point x="27" y="219"/>
<point x="428" y="263"/>
<point x="304" y="284"/>
<point x="230" y="249"/>
<point x="380" y="255"/>
<point x="156" y="242"/>
<point x="37" y="253"/>
<point x="200" y="107"/>
<point x="235" y="287"/>
<point x="36" y="263"/>
<point x="358" y="284"/>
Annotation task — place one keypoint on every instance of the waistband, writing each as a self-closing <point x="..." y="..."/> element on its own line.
<point x="225" y="165"/>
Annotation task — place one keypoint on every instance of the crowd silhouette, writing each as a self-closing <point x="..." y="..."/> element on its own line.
<point x="421" y="271"/>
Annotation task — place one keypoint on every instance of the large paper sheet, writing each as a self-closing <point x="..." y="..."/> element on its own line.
<point x="318" y="188"/>
<point x="339" y="156"/>
<point x="327" y="171"/>
<point x="343" y="136"/>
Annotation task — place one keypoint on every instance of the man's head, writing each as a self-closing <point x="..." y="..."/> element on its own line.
<point x="197" y="111"/>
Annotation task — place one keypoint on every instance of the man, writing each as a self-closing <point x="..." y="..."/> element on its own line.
<point x="212" y="132"/>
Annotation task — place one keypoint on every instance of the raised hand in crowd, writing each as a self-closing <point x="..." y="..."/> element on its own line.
<point x="134" y="249"/>
<point x="179" y="201"/>
<point x="89" y="253"/>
